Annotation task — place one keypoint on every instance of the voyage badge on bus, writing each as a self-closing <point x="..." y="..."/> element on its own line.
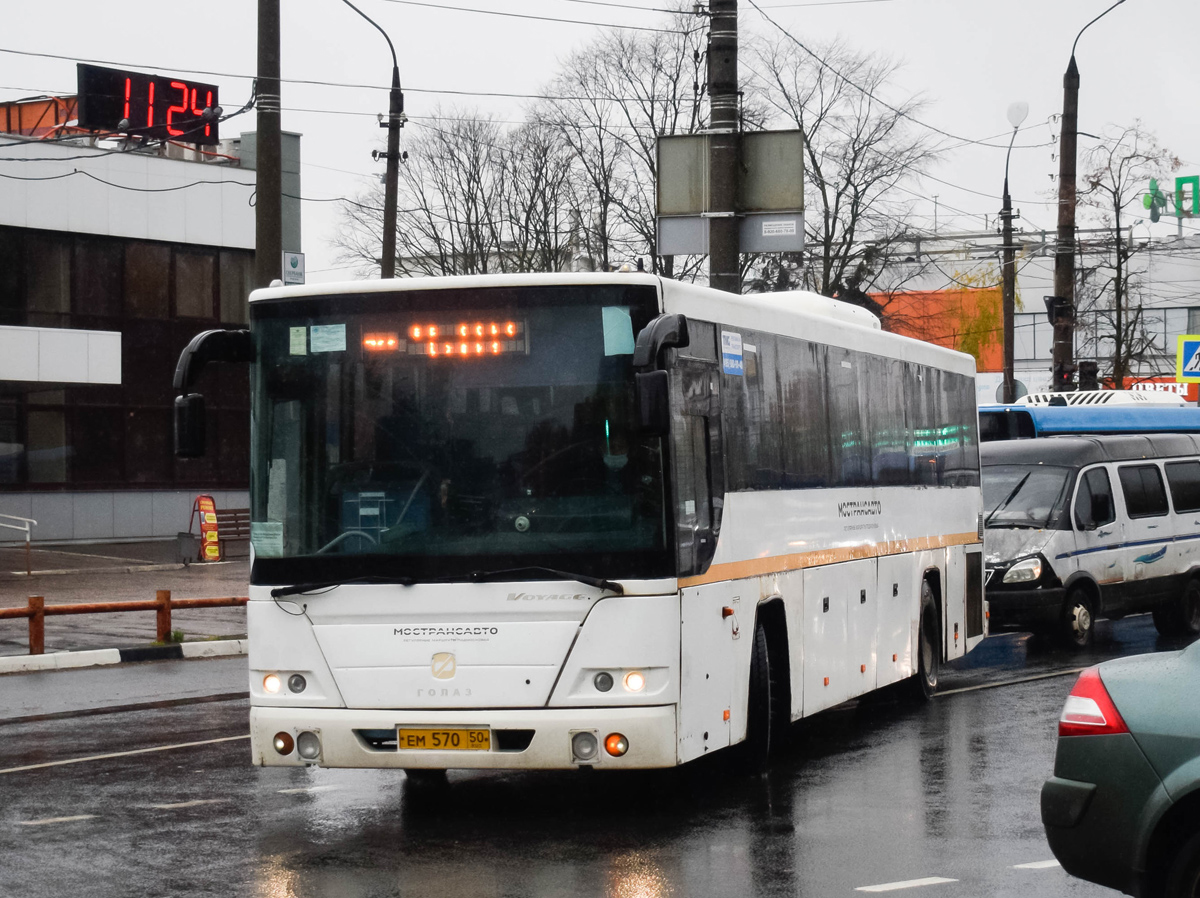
<point x="731" y="353"/>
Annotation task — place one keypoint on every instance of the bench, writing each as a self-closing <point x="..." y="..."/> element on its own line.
<point x="233" y="524"/>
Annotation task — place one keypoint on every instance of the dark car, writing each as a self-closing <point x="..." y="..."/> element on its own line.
<point x="1123" y="806"/>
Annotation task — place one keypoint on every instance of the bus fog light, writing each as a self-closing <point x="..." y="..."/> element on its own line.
<point x="603" y="681"/>
<point x="309" y="745"/>
<point x="297" y="683"/>
<point x="283" y="743"/>
<point x="271" y="683"/>
<point x="584" y="746"/>
<point x="616" y="744"/>
<point x="635" y="681"/>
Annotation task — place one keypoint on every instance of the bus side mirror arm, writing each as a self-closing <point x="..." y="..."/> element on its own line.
<point x="651" y="385"/>
<point x="662" y="332"/>
<point x="189" y="415"/>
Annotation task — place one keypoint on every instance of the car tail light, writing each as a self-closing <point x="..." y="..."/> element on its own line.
<point x="1089" y="710"/>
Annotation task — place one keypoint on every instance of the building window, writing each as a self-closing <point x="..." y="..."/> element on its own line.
<point x="194" y="284"/>
<point x="147" y="280"/>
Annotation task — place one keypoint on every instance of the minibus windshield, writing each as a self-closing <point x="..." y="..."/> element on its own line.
<point x="1025" y="496"/>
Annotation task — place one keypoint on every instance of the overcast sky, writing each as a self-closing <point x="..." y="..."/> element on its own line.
<point x="969" y="58"/>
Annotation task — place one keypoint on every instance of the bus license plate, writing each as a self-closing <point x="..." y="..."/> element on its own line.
<point x="443" y="740"/>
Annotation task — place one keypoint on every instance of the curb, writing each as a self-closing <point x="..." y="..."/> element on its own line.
<point x="128" y="569"/>
<point x="93" y="657"/>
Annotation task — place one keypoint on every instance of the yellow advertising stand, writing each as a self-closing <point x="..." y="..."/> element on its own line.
<point x="210" y="540"/>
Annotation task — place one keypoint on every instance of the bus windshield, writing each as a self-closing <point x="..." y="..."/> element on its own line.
<point x="1025" y="496"/>
<point x="434" y="434"/>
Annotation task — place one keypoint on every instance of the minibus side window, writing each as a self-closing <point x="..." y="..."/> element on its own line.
<point x="1184" y="478"/>
<point x="1143" y="489"/>
<point x="1093" y="502"/>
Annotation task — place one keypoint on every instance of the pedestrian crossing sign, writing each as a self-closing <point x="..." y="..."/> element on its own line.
<point x="1187" y="359"/>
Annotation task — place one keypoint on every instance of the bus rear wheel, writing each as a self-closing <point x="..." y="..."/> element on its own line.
<point x="929" y="655"/>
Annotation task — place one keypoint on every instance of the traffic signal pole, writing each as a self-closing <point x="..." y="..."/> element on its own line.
<point x="268" y="177"/>
<point x="724" y="266"/>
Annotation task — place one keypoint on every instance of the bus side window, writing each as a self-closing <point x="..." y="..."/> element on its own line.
<point x="1094" y="504"/>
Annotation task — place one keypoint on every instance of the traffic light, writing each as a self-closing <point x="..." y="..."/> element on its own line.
<point x="1062" y="377"/>
<point x="1089" y="376"/>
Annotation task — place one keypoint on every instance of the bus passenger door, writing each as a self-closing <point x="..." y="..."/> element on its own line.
<point x="697" y="461"/>
<point x="708" y="640"/>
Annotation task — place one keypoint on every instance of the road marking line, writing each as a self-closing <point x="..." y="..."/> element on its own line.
<point x="1037" y="865"/>
<point x="1045" y="676"/>
<point x="123" y="754"/>
<point x="56" y="820"/>
<point x="306" y="789"/>
<point x="907" y="884"/>
<point x="187" y="804"/>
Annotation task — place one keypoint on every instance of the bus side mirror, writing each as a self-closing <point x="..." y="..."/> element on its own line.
<point x="190" y="436"/>
<point x="653" y="405"/>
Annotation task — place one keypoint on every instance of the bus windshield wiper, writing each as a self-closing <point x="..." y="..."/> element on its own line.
<point x="1016" y="489"/>
<point x="299" y="589"/>
<point x="598" y="582"/>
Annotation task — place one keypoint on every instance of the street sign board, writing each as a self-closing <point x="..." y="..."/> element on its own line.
<point x="1187" y="359"/>
<point x="293" y="268"/>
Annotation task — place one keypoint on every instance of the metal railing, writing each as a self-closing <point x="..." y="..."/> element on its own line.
<point x="37" y="611"/>
<point x="26" y="526"/>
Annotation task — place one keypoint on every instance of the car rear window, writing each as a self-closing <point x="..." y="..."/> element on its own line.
<point x="1143" y="489"/>
<point x="1184" y="478"/>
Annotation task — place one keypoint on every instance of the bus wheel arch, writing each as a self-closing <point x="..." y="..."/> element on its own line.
<point x="768" y="704"/>
<point x="928" y="650"/>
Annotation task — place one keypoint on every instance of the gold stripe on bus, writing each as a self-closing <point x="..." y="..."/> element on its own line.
<point x="779" y="564"/>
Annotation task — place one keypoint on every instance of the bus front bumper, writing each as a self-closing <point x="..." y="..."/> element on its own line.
<point x="536" y="739"/>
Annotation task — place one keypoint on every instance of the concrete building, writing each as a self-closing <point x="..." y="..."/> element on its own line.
<point x="110" y="261"/>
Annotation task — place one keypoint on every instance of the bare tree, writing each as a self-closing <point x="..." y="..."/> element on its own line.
<point x="859" y="152"/>
<point x="1110" y="309"/>
<point x="613" y="99"/>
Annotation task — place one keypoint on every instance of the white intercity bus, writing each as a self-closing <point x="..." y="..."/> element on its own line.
<point x="605" y="520"/>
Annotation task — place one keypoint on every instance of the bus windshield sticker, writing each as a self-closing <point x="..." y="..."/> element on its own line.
<point x="327" y="338"/>
<point x="731" y="353"/>
<point x="618" y="330"/>
<point x="299" y="340"/>
<point x="267" y="538"/>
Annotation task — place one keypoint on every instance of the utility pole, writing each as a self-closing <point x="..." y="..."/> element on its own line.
<point x="1063" y="352"/>
<point x="1064" y="256"/>
<point x="268" y="209"/>
<point x="724" y="265"/>
<point x="395" y="121"/>
<point x="387" y="266"/>
<point x="1009" y="296"/>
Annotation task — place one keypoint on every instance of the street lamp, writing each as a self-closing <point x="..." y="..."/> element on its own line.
<point x="1064" y="255"/>
<point x="1016" y="115"/>
<point x="396" y="119"/>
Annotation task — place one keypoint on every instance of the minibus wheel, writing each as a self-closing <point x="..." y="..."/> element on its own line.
<point x="1079" y="622"/>
<point x="1182" y="616"/>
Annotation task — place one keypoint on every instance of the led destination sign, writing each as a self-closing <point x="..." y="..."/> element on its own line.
<point x="463" y="339"/>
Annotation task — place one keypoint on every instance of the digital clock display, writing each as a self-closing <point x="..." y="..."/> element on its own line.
<point x="163" y="107"/>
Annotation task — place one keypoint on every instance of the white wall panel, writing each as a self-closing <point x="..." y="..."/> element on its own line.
<point x="62" y="356"/>
<point x="206" y="214"/>
<point x="18" y="354"/>
<point x="104" y="357"/>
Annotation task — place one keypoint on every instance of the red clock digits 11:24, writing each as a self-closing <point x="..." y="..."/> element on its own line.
<point x="184" y="107"/>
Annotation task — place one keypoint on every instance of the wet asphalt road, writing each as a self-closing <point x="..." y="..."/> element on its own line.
<point x="877" y="792"/>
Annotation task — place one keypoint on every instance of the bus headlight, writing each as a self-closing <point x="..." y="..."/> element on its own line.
<point x="635" y="681"/>
<point x="271" y="683"/>
<point x="1024" y="571"/>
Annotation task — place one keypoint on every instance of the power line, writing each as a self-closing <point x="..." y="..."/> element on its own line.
<point x="519" y="15"/>
<point x="867" y="93"/>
